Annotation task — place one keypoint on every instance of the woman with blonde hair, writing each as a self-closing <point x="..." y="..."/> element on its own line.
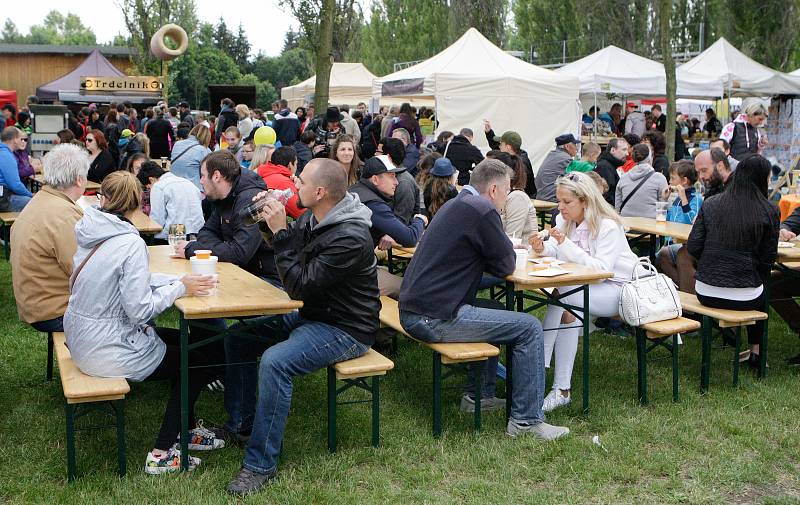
<point x="114" y="297"/>
<point x="261" y="155"/>
<point x="245" y="124"/>
<point x="344" y="151"/>
<point x="743" y="133"/>
<point x="587" y="232"/>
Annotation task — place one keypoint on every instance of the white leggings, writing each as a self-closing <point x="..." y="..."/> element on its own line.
<point x="603" y="302"/>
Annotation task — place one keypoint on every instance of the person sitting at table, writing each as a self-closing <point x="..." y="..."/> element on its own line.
<point x="278" y="173"/>
<point x="609" y="162"/>
<point x="587" y="232"/>
<point x="518" y="215"/>
<point x="439" y="186"/>
<point x="18" y="196"/>
<point x="173" y="200"/>
<point x="684" y="209"/>
<point x="437" y="298"/>
<point x="375" y="189"/>
<point x="735" y="242"/>
<point x="43" y="240"/>
<point x="113" y="299"/>
<point x="783" y="289"/>
<point x="405" y="202"/>
<point x="638" y="190"/>
<point x="554" y="165"/>
<point x="325" y="259"/>
<point x="101" y="161"/>
<point x="723" y="144"/>
<point x="231" y="189"/>
<point x="714" y="172"/>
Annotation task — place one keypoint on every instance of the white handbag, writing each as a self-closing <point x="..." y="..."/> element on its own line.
<point x="650" y="298"/>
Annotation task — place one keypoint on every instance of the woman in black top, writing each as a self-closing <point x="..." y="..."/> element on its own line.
<point x="658" y="145"/>
<point x="735" y="242"/>
<point x="161" y="135"/>
<point x="101" y="161"/>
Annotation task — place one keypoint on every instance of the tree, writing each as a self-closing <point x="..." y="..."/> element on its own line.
<point x="324" y="54"/>
<point x="10" y="34"/>
<point x="665" y="35"/>
<point x="348" y="20"/>
<point x="293" y="65"/>
<point x="144" y="17"/>
<point x="265" y="92"/>
<point x="488" y="16"/>
<point x="58" y="29"/>
<point x="393" y="34"/>
<point x="193" y="72"/>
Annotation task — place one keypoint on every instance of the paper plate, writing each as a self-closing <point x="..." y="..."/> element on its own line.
<point x="548" y="272"/>
<point x="785" y="244"/>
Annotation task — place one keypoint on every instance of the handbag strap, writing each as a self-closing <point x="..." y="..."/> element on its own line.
<point x="184" y="152"/>
<point x="77" y="271"/>
<point x="446" y="148"/>
<point x="635" y="190"/>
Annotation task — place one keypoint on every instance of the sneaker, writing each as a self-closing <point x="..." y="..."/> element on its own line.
<point x="230" y="437"/>
<point x="169" y="462"/>
<point x="216" y="385"/>
<point x="249" y="481"/>
<point x="795" y="361"/>
<point x="554" y="400"/>
<point x="201" y="439"/>
<point x="487" y="404"/>
<point x="539" y="430"/>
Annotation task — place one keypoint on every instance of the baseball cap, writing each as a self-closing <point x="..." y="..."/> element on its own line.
<point x="379" y="165"/>
<point x="567" y="138"/>
<point x="511" y="138"/>
<point x="184" y="104"/>
<point x="633" y="104"/>
<point x="126" y="133"/>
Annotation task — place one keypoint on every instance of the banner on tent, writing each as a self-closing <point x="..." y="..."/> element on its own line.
<point x="403" y="87"/>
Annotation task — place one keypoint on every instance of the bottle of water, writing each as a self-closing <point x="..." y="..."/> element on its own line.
<point x="252" y="213"/>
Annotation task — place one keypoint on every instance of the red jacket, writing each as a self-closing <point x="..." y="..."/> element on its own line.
<point x="279" y="177"/>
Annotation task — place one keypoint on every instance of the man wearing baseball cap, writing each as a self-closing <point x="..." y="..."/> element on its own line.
<point x="376" y="190"/>
<point x="554" y="166"/>
<point x="511" y="142"/>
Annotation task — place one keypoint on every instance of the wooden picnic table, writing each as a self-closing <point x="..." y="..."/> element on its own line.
<point x="239" y="294"/>
<point x="649" y="227"/>
<point x="140" y="220"/>
<point x="38" y="182"/>
<point x="521" y="286"/>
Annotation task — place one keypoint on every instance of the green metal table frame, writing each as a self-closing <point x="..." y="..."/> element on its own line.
<point x="5" y="234"/>
<point x="541" y="300"/>
<point x="668" y="342"/>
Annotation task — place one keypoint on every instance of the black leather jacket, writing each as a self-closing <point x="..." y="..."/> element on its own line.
<point x="331" y="267"/>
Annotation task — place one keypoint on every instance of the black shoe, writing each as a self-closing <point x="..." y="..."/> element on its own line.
<point x="249" y="481"/>
<point x="795" y="361"/>
<point x="223" y="433"/>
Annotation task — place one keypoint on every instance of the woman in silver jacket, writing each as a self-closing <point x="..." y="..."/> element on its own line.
<point x="113" y="297"/>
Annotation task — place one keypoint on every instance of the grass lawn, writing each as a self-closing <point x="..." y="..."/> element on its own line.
<point x="731" y="446"/>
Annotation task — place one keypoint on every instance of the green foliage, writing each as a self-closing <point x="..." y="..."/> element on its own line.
<point x="293" y="65"/>
<point x="265" y="91"/>
<point x="196" y="69"/>
<point x="403" y="30"/>
<point x="488" y="16"/>
<point x="56" y="29"/>
<point x="347" y="23"/>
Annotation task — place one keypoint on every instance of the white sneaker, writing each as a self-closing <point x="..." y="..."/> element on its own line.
<point x="169" y="462"/>
<point x="554" y="400"/>
<point x="201" y="439"/>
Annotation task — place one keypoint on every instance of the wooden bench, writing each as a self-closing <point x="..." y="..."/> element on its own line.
<point x="7" y="219"/>
<point x="354" y="373"/>
<point x="448" y="354"/>
<point x="725" y="319"/>
<point x="650" y="336"/>
<point x="80" y="390"/>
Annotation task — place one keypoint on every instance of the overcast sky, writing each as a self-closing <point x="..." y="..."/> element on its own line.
<point x="264" y="21"/>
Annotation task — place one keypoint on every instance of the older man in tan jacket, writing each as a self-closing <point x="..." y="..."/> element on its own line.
<point x="43" y="240"/>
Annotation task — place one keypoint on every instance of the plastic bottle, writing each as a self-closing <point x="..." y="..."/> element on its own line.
<point x="252" y="213"/>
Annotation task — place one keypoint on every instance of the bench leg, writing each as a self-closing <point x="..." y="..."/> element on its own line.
<point x="675" y="384"/>
<point x="738" y="345"/>
<point x="705" y="367"/>
<point x="509" y="379"/>
<point x="49" y="356"/>
<point x="332" y="410"/>
<point x="69" y="410"/>
<point x="119" y="411"/>
<point x="376" y="411"/>
<point x="480" y="371"/>
<point x="437" y="394"/>
<point x="6" y="239"/>
<point x="641" y="349"/>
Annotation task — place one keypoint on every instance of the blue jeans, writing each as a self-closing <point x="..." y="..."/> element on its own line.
<point x="17" y="202"/>
<point x="500" y="327"/>
<point x="294" y="346"/>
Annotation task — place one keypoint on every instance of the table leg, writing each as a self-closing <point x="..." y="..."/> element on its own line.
<point x="6" y="239"/>
<point x="586" y="349"/>
<point x="653" y="245"/>
<point x="184" y="394"/>
<point x="509" y="352"/>
<point x="762" y="362"/>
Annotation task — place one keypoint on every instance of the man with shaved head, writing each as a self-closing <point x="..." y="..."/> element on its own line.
<point x="713" y="171"/>
<point x="326" y="260"/>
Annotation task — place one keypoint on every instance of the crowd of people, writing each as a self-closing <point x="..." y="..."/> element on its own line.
<point x="362" y="183"/>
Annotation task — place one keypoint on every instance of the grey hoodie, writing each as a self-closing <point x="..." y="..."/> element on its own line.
<point x="113" y="298"/>
<point x="643" y="202"/>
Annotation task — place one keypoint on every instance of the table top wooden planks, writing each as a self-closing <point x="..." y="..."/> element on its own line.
<point x="678" y="231"/>
<point x="239" y="292"/>
<point x="140" y="220"/>
<point x="90" y="186"/>
<point x="577" y="275"/>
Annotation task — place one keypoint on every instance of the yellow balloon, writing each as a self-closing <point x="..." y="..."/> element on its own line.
<point x="264" y="135"/>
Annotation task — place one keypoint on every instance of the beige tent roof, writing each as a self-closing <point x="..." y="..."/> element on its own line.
<point x="350" y="83"/>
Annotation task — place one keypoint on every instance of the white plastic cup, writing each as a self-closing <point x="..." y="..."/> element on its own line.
<point x="204" y="266"/>
<point x="522" y="257"/>
<point x="661" y="211"/>
<point x="515" y="241"/>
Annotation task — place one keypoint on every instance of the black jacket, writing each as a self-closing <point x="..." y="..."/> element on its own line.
<point x="331" y="267"/>
<point x="607" y="168"/>
<point x="370" y="139"/>
<point x="464" y="157"/>
<point x="304" y="155"/>
<point x="229" y="238"/>
<point x="661" y="164"/>
<point x="530" y="181"/>
<point x="102" y="165"/>
<point x="161" y="136"/>
<point x="723" y="266"/>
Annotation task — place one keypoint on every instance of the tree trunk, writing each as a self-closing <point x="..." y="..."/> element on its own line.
<point x="324" y="55"/>
<point x="664" y="16"/>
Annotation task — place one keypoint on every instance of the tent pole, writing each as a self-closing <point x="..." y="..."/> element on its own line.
<point x="594" y="122"/>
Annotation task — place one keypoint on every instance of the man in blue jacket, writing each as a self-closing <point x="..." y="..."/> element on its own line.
<point x="14" y="192"/>
<point x="375" y="189"/>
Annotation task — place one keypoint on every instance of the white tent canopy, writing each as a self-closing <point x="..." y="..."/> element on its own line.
<point x="796" y="72"/>
<point x="350" y="83"/>
<point x="741" y="75"/>
<point x="615" y="70"/>
<point x="473" y="79"/>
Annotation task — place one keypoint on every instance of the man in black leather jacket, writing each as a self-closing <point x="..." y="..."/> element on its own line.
<point x="326" y="260"/>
